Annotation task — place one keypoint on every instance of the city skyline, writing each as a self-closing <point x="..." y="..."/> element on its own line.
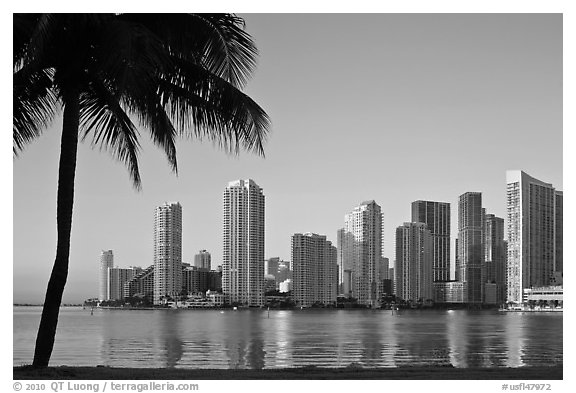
<point x="435" y="85"/>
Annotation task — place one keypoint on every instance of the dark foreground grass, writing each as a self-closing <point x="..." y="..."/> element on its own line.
<point x="407" y="373"/>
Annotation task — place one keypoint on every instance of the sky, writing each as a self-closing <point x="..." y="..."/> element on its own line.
<point x="390" y="107"/>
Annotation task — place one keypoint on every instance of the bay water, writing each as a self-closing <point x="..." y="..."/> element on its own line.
<point x="256" y="339"/>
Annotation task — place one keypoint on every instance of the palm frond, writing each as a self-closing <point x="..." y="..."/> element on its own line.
<point x="206" y="106"/>
<point x="229" y="51"/>
<point x="102" y="116"/>
<point x="34" y="101"/>
<point x="24" y="25"/>
<point x="133" y="72"/>
<point x="152" y="115"/>
<point x="217" y="42"/>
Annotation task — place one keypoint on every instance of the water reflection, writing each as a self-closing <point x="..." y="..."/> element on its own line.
<point x="388" y="338"/>
<point x="278" y="338"/>
<point x="243" y="343"/>
<point x="372" y="345"/>
<point x="329" y="338"/>
<point x="515" y="339"/>
<point x="456" y="335"/>
<point x="170" y="334"/>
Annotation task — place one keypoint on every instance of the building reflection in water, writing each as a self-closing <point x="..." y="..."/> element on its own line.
<point x="328" y="338"/>
<point x="278" y="339"/>
<point x="456" y="333"/>
<point x="388" y="334"/>
<point x="243" y="342"/>
<point x="420" y="341"/>
<point x="372" y="346"/>
<point x="343" y="337"/>
<point x="515" y="339"/>
<point x="170" y="336"/>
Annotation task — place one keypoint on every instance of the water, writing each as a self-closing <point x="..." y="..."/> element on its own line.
<point x="294" y="338"/>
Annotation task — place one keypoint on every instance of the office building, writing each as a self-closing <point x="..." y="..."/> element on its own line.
<point x="203" y="260"/>
<point x="314" y="266"/>
<point x="494" y="266"/>
<point x="106" y="261"/>
<point x="534" y="230"/>
<point x="436" y="216"/>
<point x="414" y="261"/>
<point x="271" y="266"/>
<point x="243" y="251"/>
<point x="470" y="246"/>
<point x="448" y="291"/>
<point x="167" y="252"/>
<point x="559" y="234"/>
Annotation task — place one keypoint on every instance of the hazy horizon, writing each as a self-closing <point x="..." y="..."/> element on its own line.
<point x="389" y="107"/>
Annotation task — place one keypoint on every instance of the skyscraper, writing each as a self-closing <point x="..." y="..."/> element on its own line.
<point x="534" y="219"/>
<point x="203" y="260"/>
<point x="494" y="266"/>
<point x="361" y="242"/>
<point x="167" y="251"/>
<point x="414" y="262"/>
<point x="106" y="261"/>
<point x="436" y="215"/>
<point x="118" y="279"/>
<point x="314" y="270"/>
<point x="243" y="252"/>
<point x="470" y="246"/>
<point x="559" y="235"/>
<point x="271" y="266"/>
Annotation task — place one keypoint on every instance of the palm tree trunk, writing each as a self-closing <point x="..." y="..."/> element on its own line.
<point x="65" y="201"/>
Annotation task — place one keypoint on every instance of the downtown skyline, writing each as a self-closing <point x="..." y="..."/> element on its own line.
<point x="442" y="90"/>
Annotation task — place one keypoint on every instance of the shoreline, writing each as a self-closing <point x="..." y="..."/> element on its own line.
<point x="297" y="373"/>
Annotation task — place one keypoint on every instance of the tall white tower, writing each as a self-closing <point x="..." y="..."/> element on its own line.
<point x="243" y="238"/>
<point x="361" y="241"/>
<point x="106" y="261"/>
<point x="534" y="236"/>
<point x="167" y="251"/>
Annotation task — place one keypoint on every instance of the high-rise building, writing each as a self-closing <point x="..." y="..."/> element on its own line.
<point x="271" y="266"/>
<point x="494" y="266"/>
<point x="384" y="284"/>
<point x="202" y="260"/>
<point x="470" y="246"/>
<point x="414" y="261"/>
<point x="118" y="279"/>
<point x="167" y="251"/>
<point x="361" y="251"/>
<point x="243" y="252"/>
<point x="534" y="222"/>
<point x="344" y="262"/>
<point x="436" y="215"/>
<point x="106" y="261"/>
<point x="195" y="280"/>
<point x="141" y="285"/>
<point x="314" y="270"/>
<point x="559" y="235"/>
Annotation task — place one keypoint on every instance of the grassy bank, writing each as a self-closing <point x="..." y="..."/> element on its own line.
<point x="407" y="373"/>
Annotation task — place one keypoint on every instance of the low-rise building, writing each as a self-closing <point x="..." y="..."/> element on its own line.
<point x="448" y="292"/>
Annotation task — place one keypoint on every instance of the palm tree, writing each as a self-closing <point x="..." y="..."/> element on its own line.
<point x="173" y="74"/>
